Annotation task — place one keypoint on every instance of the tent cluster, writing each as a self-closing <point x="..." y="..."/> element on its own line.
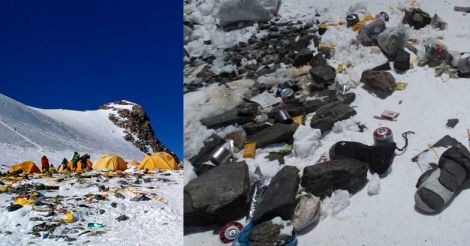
<point x="107" y="162"/>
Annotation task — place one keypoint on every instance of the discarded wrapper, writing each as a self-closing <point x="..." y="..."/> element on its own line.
<point x="299" y="119"/>
<point x="249" y="150"/>
<point x="401" y="86"/>
<point x="387" y="115"/>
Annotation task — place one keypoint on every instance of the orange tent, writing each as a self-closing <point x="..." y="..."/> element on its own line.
<point x="27" y="167"/>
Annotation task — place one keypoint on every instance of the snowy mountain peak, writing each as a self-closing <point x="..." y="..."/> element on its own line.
<point x="131" y="117"/>
<point x="27" y="133"/>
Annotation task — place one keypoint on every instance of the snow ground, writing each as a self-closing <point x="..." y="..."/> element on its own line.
<point x="154" y="222"/>
<point x="388" y="218"/>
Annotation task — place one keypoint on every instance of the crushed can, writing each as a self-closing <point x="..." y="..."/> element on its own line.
<point x="383" y="135"/>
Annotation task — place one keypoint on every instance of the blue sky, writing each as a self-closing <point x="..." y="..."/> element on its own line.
<point x="81" y="54"/>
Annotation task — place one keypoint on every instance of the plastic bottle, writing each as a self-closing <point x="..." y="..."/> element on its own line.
<point x="95" y="225"/>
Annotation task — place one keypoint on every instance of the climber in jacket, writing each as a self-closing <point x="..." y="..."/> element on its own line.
<point x="44" y="163"/>
<point x="75" y="159"/>
<point x="64" y="164"/>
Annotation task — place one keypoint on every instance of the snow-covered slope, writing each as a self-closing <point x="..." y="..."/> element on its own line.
<point x="388" y="218"/>
<point x="27" y="133"/>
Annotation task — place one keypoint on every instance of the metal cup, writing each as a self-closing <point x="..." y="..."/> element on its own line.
<point x="221" y="156"/>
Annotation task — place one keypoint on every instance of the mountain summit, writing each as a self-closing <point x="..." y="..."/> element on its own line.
<point x="27" y="133"/>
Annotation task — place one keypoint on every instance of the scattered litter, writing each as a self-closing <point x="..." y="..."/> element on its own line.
<point x="388" y="115"/>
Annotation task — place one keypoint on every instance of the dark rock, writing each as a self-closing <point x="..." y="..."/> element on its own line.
<point x="122" y="218"/>
<point x="279" y="198"/>
<point x="36" y="219"/>
<point x="254" y="127"/>
<point x="140" y="198"/>
<point x="301" y="44"/>
<point x="323" y="73"/>
<point x="328" y="114"/>
<point x="322" y="179"/>
<point x="279" y="133"/>
<point x="318" y="59"/>
<point x="303" y="57"/>
<point x="402" y="60"/>
<point x="13" y="207"/>
<point x="45" y="227"/>
<point x="228" y="118"/>
<point x="218" y="196"/>
<point x="113" y="204"/>
<point x="379" y="82"/>
<point x="451" y="123"/>
<point x="268" y="233"/>
<point x="416" y="18"/>
<point x="102" y="211"/>
<point x="383" y="67"/>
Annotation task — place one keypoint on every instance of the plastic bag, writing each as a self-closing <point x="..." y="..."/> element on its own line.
<point x="306" y="212"/>
<point x="392" y="39"/>
<point x="368" y="33"/>
<point x="434" y="53"/>
<point x="230" y="11"/>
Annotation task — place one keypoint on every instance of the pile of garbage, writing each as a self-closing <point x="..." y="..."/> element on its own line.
<point x="294" y="102"/>
<point x="85" y="206"/>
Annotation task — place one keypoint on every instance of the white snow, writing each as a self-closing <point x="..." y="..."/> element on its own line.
<point x="373" y="187"/>
<point x="306" y="140"/>
<point x="388" y="218"/>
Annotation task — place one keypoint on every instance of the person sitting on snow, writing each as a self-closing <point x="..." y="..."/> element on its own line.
<point x="84" y="159"/>
<point x="64" y="164"/>
<point x="44" y="163"/>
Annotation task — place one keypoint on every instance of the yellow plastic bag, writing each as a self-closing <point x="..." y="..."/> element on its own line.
<point x="23" y="201"/>
<point x="68" y="218"/>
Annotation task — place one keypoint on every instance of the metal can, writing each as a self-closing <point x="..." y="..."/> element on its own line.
<point x="383" y="135"/>
<point x="352" y="19"/>
<point x="287" y="93"/>
<point x="283" y="117"/>
<point x="221" y="156"/>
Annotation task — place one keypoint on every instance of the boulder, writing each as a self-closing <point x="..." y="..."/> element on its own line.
<point x="323" y="73"/>
<point x="416" y="18"/>
<point x="279" y="198"/>
<point x="218" y="196"/>
<point x="328" y="114"/>
<point x="379" y="82"/>
<point x="402" y="60"/>
<point x="303" y="57"/>
<point x="279" y="133"/>
<point x="322" y="179"/>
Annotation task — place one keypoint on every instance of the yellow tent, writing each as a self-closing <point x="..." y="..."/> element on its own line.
<point x="133" y="163"/>
<point x="110" y="162"/>
<point x="27" y="167"/>
<point x="159" y="160"/>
